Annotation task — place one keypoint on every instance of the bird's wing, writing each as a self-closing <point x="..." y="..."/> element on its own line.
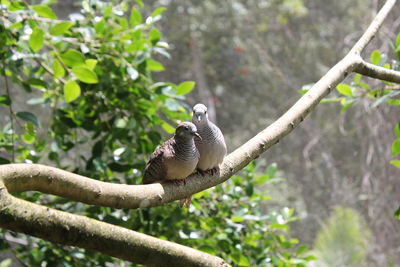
<point x="156" y="168"/>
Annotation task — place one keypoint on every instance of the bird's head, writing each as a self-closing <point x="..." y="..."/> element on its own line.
<point x="186" y="130"/>
<point x="199" y="114"/>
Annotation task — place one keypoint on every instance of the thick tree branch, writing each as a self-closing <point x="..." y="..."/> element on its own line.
<point x="75" y="230"/>
<point x="377" y="72"/>
<point x="69" y="228"/>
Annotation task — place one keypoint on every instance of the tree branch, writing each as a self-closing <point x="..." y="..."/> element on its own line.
<point x="83" y="232"/>
<point x="377" y="72"/>
<point x="80" y="231"/>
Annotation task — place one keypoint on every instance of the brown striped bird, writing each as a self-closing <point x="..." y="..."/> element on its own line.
<point x="175" y="159"/>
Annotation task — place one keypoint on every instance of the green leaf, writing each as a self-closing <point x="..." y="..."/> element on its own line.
<point x="155" y="35"/>
<point x="28" y="138"/>
<point x="61" y="28"/>
<point x="73" y="58"/>
<point x="396" y="147"/>
<point x="140" y="3"/>
<point x="262" y="179"/>
<point x="45" y="11"/>
<point x="397" y="130"/>
<point x="85" y="75"/>
<point x="27" y="116"/>
<point x="398" y="40"/>
<point x="136" y="17"/>
<point x="357" y="78"/>
<point x="72" y="91"/>
<point x="167" y="127"/>
<point x="154" y="65"/>
<point x="395" y="162"/>
<point x="37" y="83"/>
<point x="301" y="249"/>
<point x="5" y="100"/>
<point x="36" y="39"/>
<point x="91" y="63"/>
<point x="376" y="57"/>
<point x="58" y="69"/>
<point x="397" y="213"/>
<point x="344" y="89"/>
<point x="185" y="88"/>
<point x="243" y="261"/>
<point x="158" y="11"/>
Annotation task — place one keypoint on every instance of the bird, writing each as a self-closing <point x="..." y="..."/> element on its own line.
<point x="211" y="146"/>
<point x="175" y="159"/>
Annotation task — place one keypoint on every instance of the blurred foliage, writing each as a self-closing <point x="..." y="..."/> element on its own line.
<point x="343" y="239"/>
<point x="385" y="93"/>
<point x="90" y="79"/>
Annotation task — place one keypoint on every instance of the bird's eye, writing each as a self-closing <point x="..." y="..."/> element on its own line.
<point x="205" y="112"/>
<point x="186" y="127"/>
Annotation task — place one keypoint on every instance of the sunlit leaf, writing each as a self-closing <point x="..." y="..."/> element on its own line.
<point x="158" y="11"/>
<point x="155" y="35"/>
<point x="140" y="3"/>
<point x="85" y="75"/>
<point x="58" y="69"/>
<point x="167" y="127"/>
<point x="376" y="57"/>
<point x="91" y="63"/>
<point x="136" y="17"/>
<point x="28" y="138"/>
<point x="61" y="28"/>
<point x="395" y="162"/>
<point x="44" y="11"/>
<point x="185" y="88"/>
<point x="73" y="58"/>
<point x="72" y="91"/>
<point x="396" y="147"/>
<point x="36" y="39"/>
<point x="154" y="65"/>
<point x="344" y="89"/>
<point x="397" y="130"/>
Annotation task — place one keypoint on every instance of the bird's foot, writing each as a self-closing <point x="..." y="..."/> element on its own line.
<point x="185" y="202"/>
<point x="214" y="170"/>
<point x="179" y="182"/>
<point x="201" y="172"/>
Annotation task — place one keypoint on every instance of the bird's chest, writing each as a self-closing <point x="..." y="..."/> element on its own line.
<point x="211" y="154"/>
<point x="178" y="169"/>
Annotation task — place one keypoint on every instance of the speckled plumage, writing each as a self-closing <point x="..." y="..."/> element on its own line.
<point x="176" y="158"/>
<point x="212" y="146"/>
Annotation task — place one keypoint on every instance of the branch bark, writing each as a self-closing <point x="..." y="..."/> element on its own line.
<point x="87" y="233"/>
<point x="377" y="72"/>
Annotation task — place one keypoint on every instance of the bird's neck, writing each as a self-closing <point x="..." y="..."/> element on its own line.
<point x="185" y="148"/>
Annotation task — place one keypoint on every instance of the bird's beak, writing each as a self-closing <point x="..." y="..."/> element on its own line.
<point x="198" y="117"/>
<point x="196" y="134"/>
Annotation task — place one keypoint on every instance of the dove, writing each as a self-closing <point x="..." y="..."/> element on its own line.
<point x="175" y="159"/>
<point x="211" y="146"/>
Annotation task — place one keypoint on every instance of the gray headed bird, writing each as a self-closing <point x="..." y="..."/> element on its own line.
<point x="212" y="145"/>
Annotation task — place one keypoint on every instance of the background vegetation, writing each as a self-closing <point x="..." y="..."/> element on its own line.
<point x="96" y="92"/>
